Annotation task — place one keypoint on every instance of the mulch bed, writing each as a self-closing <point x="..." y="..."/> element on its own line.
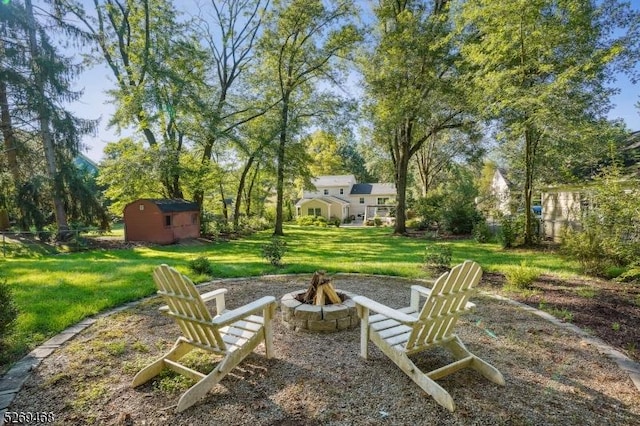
<point x="606" y="309"/>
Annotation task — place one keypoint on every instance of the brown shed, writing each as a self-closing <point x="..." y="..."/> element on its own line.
<point x="162" y="221"/>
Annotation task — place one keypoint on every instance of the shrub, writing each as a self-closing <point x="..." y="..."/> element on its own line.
<point x="274" y="251"/>
<point x="213" y="225"/>
<point x="631" y="275"/>
<point x="452" y="205"/>
<point x="610" y="234"/>
<point x="46" y="236"/>
<point x="587" y="248"/>
<point x="8" y="309"/>
<point x="377" y="221"/>
<point x="430" y="209"/>
<point x="206" y="219"/>
<point x="413" y="223"/>
<point x="253" y="223"/>
<point x="321" y="221"/>
<point x="305" y="220"/>
<point x="460" y="218"/>
<point x="481" y="232"/>
<point x="437" y="258"/>
<point x="201" y="265"/>
<point x="509" y="231"/>
<point x="521" y="277"/>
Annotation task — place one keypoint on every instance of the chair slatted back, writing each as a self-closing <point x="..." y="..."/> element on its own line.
<point x="187" y="308"/>
<point x="448" y="298"/>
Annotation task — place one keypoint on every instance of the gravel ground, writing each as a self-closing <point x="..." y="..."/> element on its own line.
<point x="553" y="378"/>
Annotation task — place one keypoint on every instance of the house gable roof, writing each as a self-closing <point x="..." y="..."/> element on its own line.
<point x="373" y="189"/>
<point x="83" y="162"/>
<point x="341" y="180"/>
<point x="501" y="172"/>
<point x="329" y="199"/>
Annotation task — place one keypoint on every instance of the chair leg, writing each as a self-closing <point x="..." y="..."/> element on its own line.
<point x="363" y="313"/>
<point x="200" y="389"/>
<point x="436" y="391"/>
<point x="459" y="351"/>
<point x="427" y="384"/>
<point x="179" y="349"/>
<point x="269" y="313"/>
<point x="228" y="363"/>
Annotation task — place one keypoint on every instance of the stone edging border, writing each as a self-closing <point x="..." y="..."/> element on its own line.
<point x="13" y="380"/>
<point x="624" y="362"/>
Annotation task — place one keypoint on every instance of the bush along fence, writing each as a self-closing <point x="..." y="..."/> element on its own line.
<point x="24" y="242"/>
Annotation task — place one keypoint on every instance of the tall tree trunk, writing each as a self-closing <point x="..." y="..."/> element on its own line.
<point x="176" y="189"/>
<point x="10" y="145"/>
<point x="45" y="130"/>
<point x="401" y="156"/>
<point x="225" y="211"/>
<point x="249" y="191"/>
<point x="198" y="195"/>
<point x="530" y="148"/>
<point x="280" y="172"/>
<point x="423" y="160"/>
<point x="401" y="189"/>
<point x="243" y="177"/>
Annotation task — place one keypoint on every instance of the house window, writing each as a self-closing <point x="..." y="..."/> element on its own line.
<point x="194" y="218"/>
<point x="361" y="200"/>
<point x="326" y="192"/>
<point x="167" y="220"/>
<point x="383" y="200"/>
<point x="141" y="207"/>
<point x="315" y="212"/>
<point x="341" y="191"/>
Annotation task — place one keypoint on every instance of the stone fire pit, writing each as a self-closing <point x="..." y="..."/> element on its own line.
<point x="325" y="318"/>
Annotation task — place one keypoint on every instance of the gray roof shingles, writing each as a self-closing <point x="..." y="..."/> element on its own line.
<point x="372" y="189"/>
<point x="168" y="205"/>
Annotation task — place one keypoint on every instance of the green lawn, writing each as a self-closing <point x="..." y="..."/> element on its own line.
<point x="56" y="291"/>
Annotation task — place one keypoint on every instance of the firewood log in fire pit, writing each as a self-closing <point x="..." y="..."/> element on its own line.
<point x="320" y="292"/>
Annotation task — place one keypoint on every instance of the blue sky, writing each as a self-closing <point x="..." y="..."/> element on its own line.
<point x="96" y="104"/>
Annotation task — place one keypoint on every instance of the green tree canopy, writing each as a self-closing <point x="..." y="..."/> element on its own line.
<point x="541" y="69"/>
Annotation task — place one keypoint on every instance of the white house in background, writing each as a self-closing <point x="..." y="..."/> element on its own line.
<point x="501" y="191"/>
<point x="341" y="197"/>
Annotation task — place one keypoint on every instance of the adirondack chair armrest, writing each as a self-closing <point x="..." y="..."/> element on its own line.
<point x="210" y="295"/>
<point x="218" y="295"/>
<point x="244" y="311"/>
<point x="372" y="305"/>
<point x="416" y="292"/>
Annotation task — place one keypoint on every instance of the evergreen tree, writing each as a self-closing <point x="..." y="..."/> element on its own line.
<point x="38" y="83"/>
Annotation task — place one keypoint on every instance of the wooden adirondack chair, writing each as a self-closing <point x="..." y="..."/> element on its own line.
<point x="232" y="334"/>
<point x="402" y="332"/>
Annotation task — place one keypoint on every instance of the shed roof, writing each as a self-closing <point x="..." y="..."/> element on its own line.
<point x="373" y="189"/>
<point x="168" y="205"/>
